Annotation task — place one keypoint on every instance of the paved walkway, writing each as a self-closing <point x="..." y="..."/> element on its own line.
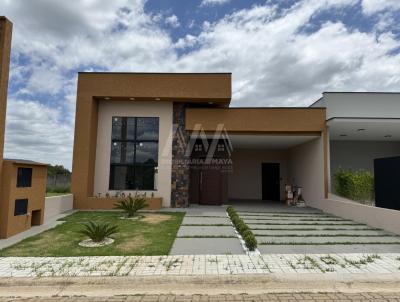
<point x="206" y="230"/>
<point x="279" y="229"/>
<point x="309" y="297"/>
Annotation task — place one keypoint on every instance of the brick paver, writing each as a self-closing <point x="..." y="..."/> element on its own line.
<point x="309" y="297"/>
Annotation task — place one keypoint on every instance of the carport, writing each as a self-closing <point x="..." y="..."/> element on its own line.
<point x="268" y="148"/>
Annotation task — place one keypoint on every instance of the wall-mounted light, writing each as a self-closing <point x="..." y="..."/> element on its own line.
<point x="107" y="98"/>
<point x="210" y="103"/>
<point x="157" y="99"/>
<point x="132" y="99"/>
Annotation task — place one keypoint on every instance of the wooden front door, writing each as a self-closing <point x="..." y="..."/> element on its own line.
<point x="211" y="186"/>
<point x="270" y="181"/>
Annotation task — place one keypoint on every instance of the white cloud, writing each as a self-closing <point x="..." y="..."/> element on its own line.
<point x="172" y="21"/>
<point x="213" y="2"/>
<point x="274" y="62"/>
<point x="374" y="6"/>
<point x="37" y="132"/>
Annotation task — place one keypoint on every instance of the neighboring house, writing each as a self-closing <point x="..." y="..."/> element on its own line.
<point x="362" y="126"/>
<point x="23" y="183"/>
<point x="152" y="133"/>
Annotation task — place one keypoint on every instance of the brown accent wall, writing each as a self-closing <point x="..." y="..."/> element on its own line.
<point x="10" y="224"/>
<point x="192" y="88"/>
<point x="258" y="120"/>
<point x="5" y="49"/>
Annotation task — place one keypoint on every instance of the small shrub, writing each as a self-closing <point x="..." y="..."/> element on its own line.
<point x="357" y="185"/>
<point x="243" y="229"/>
<point x="247" y="233"/>
<point x="131" y="205"/>
<point x="98" y="231"/>
<point x="250" y="241"/>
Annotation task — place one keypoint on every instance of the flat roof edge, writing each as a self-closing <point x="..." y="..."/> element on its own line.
<point x="166" y="73"/>
<point x="362" y="92"/>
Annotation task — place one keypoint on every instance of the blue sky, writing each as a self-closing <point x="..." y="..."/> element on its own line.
<point x="280" y="53"/>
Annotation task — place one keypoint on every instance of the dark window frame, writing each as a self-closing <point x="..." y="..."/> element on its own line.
<point x="134" y="142"/>
<point x="21" y="207"/>
<point x="24" y="180"/>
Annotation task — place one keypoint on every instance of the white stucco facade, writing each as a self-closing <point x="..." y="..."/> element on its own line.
<point x="360" y="105"/>
<point x="301" y="165"/>
<point x="108" y="110"/>
<point x="361" y="127"/>
<point x="245" y="181"/>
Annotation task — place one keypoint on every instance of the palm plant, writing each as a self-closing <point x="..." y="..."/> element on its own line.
<point x="131" y="205"/>
<point x="98" y="231"/>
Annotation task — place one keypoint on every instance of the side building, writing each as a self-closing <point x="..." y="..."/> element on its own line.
<point x="22" y="182"/>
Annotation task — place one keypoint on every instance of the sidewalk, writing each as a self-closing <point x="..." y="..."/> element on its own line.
<point x="198" y="265"/>
<point x="294" y="297"/>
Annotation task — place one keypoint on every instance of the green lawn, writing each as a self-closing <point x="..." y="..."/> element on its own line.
<point x="51" y="194"/>
<point x="152" y="235"/>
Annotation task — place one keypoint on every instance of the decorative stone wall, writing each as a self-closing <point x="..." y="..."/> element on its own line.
<point x="180" y="162"/>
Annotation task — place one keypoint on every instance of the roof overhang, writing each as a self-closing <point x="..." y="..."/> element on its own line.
<point x="364" y="129"/>
<point x="268" y="141"/>
<point x="257" y="120"/>
<point x="212" y="88"/>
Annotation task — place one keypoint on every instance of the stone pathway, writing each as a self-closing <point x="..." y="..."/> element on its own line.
<point x="206" y="231"/>
<point x="309" y="297"/>
<point x="199" y="265"/>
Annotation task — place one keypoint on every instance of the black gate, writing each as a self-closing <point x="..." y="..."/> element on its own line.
<point x="387" y="182"/>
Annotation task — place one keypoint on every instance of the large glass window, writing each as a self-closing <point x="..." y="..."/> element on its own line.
<point x="134" y="153"/>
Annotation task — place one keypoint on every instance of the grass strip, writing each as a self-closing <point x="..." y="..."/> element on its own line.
<point x="325" y="235"/>
<point x="285" y="215"/>
<point x="314" y="229"/>
<point x="278" y="213"/>
<point x="300" y="219"/>
<point x="326" y="243"/>
<point x="277" y="223"/>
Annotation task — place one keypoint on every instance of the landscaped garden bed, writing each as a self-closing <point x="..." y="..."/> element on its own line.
<point x="154" y="234"/>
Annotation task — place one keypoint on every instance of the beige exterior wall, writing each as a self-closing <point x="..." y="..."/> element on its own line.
<point x="106" y="111"/>
<point x="307" y="169"/>
<point x="56" y="205"/>
<point x="381" y="218"/>
<point x="245" y="180"/>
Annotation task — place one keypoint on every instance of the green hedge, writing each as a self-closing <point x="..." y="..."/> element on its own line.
<point x="355" y="185"/>
<point x="243" y="229"/>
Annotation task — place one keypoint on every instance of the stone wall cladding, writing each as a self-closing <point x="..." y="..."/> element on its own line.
<point x="180" y="165"/>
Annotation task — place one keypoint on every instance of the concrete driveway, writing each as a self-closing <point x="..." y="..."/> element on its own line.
<point x="279" y="229"/>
